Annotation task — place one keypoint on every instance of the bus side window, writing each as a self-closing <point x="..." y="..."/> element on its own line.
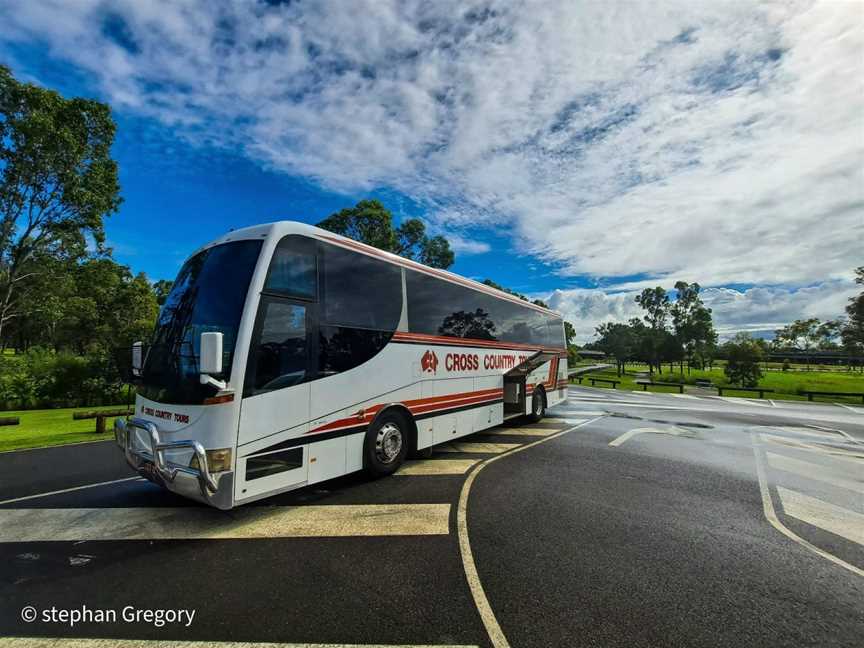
<point x="293" y="269"/>
<point x="280" y="348"/>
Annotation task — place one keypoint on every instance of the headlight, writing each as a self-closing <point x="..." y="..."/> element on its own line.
<point x="217" y="460"/>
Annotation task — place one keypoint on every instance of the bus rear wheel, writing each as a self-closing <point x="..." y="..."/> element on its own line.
<point x="538" y="406"/>
<point x="386" y="445"/>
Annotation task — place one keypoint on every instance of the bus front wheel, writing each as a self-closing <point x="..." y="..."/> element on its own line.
<point x="538" y="406"/>
<point x="386" y="444"/>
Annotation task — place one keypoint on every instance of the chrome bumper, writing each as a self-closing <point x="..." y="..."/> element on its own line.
<point x="195" y="483"/>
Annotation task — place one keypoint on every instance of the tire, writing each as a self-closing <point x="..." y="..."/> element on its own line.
<point x="386" y="444"/>
<point x="538" y="405"/>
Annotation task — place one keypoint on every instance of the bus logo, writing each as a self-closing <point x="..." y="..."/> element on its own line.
<point x="429" y="361"/>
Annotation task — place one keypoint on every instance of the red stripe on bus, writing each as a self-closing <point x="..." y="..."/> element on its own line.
<point x="419" y="405"/>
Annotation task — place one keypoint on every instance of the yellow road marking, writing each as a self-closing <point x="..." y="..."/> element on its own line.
<point x="813" y="471"/>
<point x="63" y="642"/>
<point x="830" y="517"/>
<point x="187" y="523"/>
<point x="436" y="467"/>
<point x="69" y="490"/>
<point x="493" y="629"/>
<point x="479" y="448"/>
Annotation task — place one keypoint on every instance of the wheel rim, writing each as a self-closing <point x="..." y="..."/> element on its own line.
<point x="388" y="443"/>
<point x="538" y="404"/>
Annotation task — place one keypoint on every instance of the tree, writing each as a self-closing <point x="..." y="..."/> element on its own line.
<point x="743" y="355"/>
<point x="58" y="181"/>
<point x="655" y="303"/>
<point x="694" y="327"/>
<point x="371" y="223"/>
<point x="569" y="333"/>
<point x="617" y="341"/>
<point x="852" y="332"/>
<point x="802" y="334"/>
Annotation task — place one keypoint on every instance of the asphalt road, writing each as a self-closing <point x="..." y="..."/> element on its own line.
<point x="624" y="519"/>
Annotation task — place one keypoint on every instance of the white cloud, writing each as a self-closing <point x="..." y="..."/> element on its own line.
<point x="465" y="246"/>
<point x="717" y="142"/>
<point x="755" y="309"/>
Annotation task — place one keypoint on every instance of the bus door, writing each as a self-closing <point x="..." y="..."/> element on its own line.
<point x="515" y="383"/>
<point x="283" y="356"/>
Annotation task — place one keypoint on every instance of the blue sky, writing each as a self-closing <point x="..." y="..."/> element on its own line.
<point x="575" y="151"/>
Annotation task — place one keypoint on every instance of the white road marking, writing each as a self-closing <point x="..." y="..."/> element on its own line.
<point x="190" y="523"/>
<point x="838" y="431"/>
<point x="436" y="467"/>
<point x="673" y="431"/>
<point x="493" y="629"/>
<point x="845" y="455"/>
<point x="744" y="401"/>
<point x="857" y="410"/>
<point x="771" y="515"/>
<point x="70" y="490"/>
<point x="520" y="431"/>
<point x="813" y="471"/>
<point x="63" y="642"/>
<point x="479" y="448"/>
<point x="685" y="396"/>
<point x="823" y="434"/>
<point x="830" y="517"/>
<point x="580" y="413"/>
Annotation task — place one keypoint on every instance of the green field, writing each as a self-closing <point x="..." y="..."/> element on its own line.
<point x="786" y="385"/>
<point x="51" y="427"/>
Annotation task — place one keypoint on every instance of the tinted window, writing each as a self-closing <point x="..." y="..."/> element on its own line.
<point x="293" y="270"/>
<point x="208" y="295"/>
<point x="359" y="291"/>
<point x="344" y="348"/>
<point x="438" y="307"/>
<point x="280" y="348"/>
<point x="275" y="462"/>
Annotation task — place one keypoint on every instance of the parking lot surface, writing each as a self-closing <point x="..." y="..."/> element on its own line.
<point x="623" y="519"/>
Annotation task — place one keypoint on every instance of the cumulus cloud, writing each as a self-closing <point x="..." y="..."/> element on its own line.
<point x="717" y="141"/>
<point x="758" y="309"/>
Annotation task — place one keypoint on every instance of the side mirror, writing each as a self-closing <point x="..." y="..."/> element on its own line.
<point x="211" y="353"/>
<point x="137" y="358"/>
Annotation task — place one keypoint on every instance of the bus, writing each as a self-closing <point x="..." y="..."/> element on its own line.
<point x="286" y="355"/>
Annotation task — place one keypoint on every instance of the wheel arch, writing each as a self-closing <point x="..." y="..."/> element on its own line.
<point x="406" y="414"/>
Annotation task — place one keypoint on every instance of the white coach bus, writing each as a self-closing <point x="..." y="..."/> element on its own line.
<point x="286" y="355"/>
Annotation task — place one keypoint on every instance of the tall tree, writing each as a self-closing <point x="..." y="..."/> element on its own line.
<point x="371" y="223"/>
<point x="802" y="334"/>
<point x="617" y="341"/>
<point x="57" y="181"/>
<point x="692" y="321"/>
<point x="852" y="332"/>
<point x="743" y="355"/>
<point x="655" y="303"/>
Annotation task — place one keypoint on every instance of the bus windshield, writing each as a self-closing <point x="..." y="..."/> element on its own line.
<point x="208" y="295"/>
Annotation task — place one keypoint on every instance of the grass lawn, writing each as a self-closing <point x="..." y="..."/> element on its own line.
<point x="51" y="427"/>
<point x="786" y="385"/>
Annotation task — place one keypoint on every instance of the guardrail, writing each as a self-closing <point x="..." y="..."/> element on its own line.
<point x="761" y="391"/>
<point x="646" y="383"/>
<point x="100" y="417"/>
<point x="595" y="380"/>
<point x="810" y="394"/>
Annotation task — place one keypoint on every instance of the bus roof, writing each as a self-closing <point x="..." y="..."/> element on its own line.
<point x="279" y="229"/>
